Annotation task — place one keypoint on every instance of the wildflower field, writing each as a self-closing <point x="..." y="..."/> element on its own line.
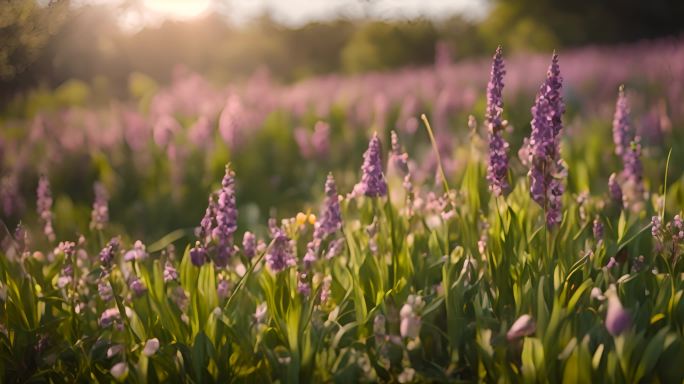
<point x="511" y="220"/>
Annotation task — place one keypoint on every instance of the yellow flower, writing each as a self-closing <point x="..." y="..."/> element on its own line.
<point x="301" y="219"/>
<point x="312" y="219"/>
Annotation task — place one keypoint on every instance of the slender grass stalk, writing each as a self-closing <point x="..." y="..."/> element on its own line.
<point x="445" y="183"/>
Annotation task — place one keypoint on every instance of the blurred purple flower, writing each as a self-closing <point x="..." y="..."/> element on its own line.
<point x="222" y="290"/>
<point x="632" y="175"/>
<point x="109" y="316"/>
<point x="44" y="206"/>
<point x="617" y="318"/>
<point x="330" y="219"/>
<point x="372" y="181"/>
<point x="10" y="198"/>
<point x="226" y="219"/>
<point x="598" y="229"/>
<point x="165" y="128"/>
<point x="326" y="289"/>
<point x="621" y="131"/>
<point x="104" y="290"/>
<point x="137" y="287"/>
<point x="497" y="169"/>
<point x="546" y="167"/>
<point x="198" y="255"/>
<point x="523" y="326"/>
<point x="138" y="252"/>
<point x="615" y="190"/>
<point x="207" y="223"/>
<point x="249" y="244"/>
<point x="281" y="253"/>
<point x="170" y="273"/>
<point x="109" y="251"/>
<point x="232" y="121"/>
<point x="303" y="285"/>
<point x="100" y="213"/>
<point x="398" y="159"/>
<point x="320" y="139"/>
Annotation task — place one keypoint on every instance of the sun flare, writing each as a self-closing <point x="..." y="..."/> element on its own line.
<point x="178" y="9"/>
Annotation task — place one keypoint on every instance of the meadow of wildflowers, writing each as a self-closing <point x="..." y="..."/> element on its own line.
<point x="407" y="243"/>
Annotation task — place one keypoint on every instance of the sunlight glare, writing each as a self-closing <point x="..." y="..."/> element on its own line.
<point x="178" y="9"/>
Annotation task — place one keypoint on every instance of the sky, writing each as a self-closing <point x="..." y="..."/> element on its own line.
<point x="292" y="12"/>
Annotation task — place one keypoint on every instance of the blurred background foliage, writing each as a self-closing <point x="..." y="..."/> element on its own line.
<point x="48" y="45"/>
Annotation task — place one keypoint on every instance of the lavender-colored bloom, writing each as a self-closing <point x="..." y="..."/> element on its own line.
<point x="170" y="273"/>
<point x="67" y="248"/>
<point x="249" y="244"/>
<point x="546" y="168"/>
<point x="326" y="289"/>
<point x="617" y="318"/>
<point x="611" y="263"/>
<point x="497" y="169"/>
<point x="119" y="371"/>
<point x="104" y="290"/>
<point x="198" y="255"/>
<point x="280" y="255"/>
<point x="303" y="285"/>
<point x="397" y="158"/>
<point x="615" y="189"/>
<point x="151" y="347"/>
<point x="44" y="206"/>
<point x="372" y="181"/>
<point x="330" y="218"/>
<point x="656" y="226"/>
<point x="100" y="213"/>
<point x="226" y="218"/>
<point x="109" y="316"/>
<point x="677" y="228"/>
<point x="137" y="286"/>
<point x="335" y="248"/>
<point x="632" y="174"/>
<point x="138" y="252"/>
<point x="598" y="229"/>
<point x="621" y="124"/>
<point x="232" y="121"/>
<point x="207" y="224"/>
<point x="522" y="327"/>
<point x="10" y="198"/>
<point x="223" y="289"/>
<point x="320" y="139"/>
<point x="109" y="251"/>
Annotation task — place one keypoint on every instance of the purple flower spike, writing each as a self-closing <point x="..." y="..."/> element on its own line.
<point x="170" y="272"/>
<point x="617" y="318"/>
<point x="44" y="206"/>
<point x="249" y="244"/>
<point x="331" y="217"/>
<point x="137" y="286"/>
<point x="546" y="167"/>
<point x="226" y="218"/>
<point x="109" y="251"/>
<point x="615" y="190"/>
<point x="281" y="255"/>
<point x="632" y="174"/>
<point x="497" y="168"/>
<point x="198" y="255"/>
<point x="373" y="181"/>
<point x="621" y="124"/>
<point x="100" y="213"/>
<point x="207" y="224"/>
<point x="598" y="229"/>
